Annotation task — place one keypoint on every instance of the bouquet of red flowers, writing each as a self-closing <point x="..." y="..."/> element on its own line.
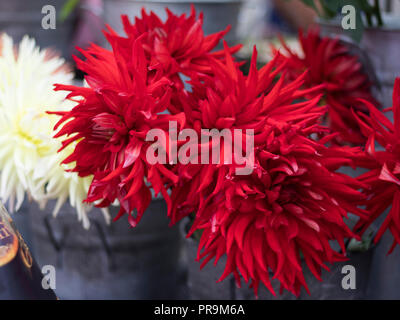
<point x="284" y="201"/>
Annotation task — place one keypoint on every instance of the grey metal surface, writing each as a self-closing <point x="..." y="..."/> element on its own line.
<point x="385" y="275"/>
<point x="111" y="262"/>
<point x="202" y="283"/>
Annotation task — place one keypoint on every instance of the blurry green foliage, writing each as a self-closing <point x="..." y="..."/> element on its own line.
<point x="67" y="9"/>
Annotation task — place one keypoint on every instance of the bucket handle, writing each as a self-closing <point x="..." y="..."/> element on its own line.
<point x="106" y="245"/>
<point x="59" y="245"/>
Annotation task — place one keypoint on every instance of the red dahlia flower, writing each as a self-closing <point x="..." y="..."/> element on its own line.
<point x="177" y="45"/>
<point x="383" y="178"/>
<point x="228" y="99"/>
<point x="129" y="87"/>
<point x="292" y="202"/>
<point x="330" y="63"/>
<point x="109" y="123"/>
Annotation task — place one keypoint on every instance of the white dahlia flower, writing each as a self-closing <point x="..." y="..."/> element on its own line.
<point x="29" y="162"/>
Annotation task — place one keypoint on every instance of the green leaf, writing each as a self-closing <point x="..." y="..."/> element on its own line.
<point x="332" y="5"/>
<point x="67" y="9"/>
<point x="360" y="246"/>
<point x="311" y="4"/>
<point x="331" y="8"/>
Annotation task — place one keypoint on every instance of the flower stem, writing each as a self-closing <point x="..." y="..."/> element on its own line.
<point x="369" y="18"/>
<point x="377" y="10"/>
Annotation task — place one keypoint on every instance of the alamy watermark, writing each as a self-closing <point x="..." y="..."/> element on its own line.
<point x="349" y="20"/>
<point x="49" y="19"/>
<point x="49" y="277"/>
<point x="349" y="280"/>
<point x="226" y="147"/>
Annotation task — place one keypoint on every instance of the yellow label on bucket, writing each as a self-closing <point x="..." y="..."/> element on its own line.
<point x="8" y="243"/>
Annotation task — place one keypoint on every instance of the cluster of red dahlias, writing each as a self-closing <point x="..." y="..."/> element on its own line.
<point x="353" y="113"/>
<point x="382" y="159"/>
<point x="293" y="200"/>
<point x="129" y="89"/>
<point x="340" y="76"/>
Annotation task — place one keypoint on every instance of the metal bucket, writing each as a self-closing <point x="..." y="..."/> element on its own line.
<point x="110" y="262"/>
<point x="385" y="280"/>
<point x="218" y="14"/>
<point x="202" y="283"/>
<point x="331" y="286"/>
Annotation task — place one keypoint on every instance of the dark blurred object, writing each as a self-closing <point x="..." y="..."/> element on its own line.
<point x="110" y="261"/>
<point x="295" y="13"/>
<point x="21" y="17"/>
<point x="218" y="14"/>
<point x="89" y="24"/>
<point x="20" y="277"/>
<point x="88" y="28"/>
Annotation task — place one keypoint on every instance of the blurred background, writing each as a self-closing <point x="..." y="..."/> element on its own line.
<point x="80" y="22"/>
<point x="77" y="253"/>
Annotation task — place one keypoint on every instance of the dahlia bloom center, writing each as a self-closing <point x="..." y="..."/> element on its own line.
<point x="28" y="126"/>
